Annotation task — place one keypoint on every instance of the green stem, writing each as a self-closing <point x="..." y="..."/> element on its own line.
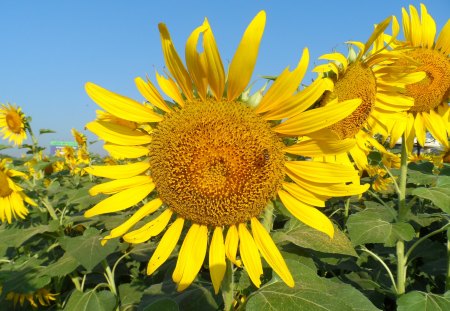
<point x="228" y="287"/>
<point x="109" y="275"/>
<point x="49" y="208"/>
<point x="76" y="282"/>
<point x="402" y="212"/>
<point x="391" y="276"/>
<point x="34" y="140"/>
<point x="447" y="277"/>
<point x="268" y="216"/>
<point x="346" y="210"/>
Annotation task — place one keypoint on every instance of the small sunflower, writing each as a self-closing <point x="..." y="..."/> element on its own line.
<point x="431" y="95"/>
<point x="370" y="76"/>
<point x="213" y="162"/>
<point x="11" y="195"/>
<point x="80" y="138"/>
<point x="13" y="123"/>
<point x="41" y="297"/>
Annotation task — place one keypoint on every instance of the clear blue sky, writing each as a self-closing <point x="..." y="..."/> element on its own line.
<point x="49" y="49"/>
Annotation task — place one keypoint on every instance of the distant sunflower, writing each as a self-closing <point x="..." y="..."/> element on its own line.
<point x="214" y="161"/>
<point x="370" y="76"/>
<point x="431" y="95"/>
<point x="11" y="195"/>
<point x="13" y="123"/>
<point x="80" y="138"/>
<point x="41" y="297"/>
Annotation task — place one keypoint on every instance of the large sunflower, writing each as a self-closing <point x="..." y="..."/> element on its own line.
<point x="430" y="111"/>
<point x="370" y="76"/>
<point x="13" y="123"/>
<point x="214" y="161"/>
<point x="11" y="195"/>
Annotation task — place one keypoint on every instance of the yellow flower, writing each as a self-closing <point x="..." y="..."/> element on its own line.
<point x="213" y="162"/>
<point x="41" y="296"/>
<point x="80" y="138"/>
<point x="370" y="77"/>
<point x="13" y="123"/>
<point x="431" y="95"/>
<point x="11" y="195"/>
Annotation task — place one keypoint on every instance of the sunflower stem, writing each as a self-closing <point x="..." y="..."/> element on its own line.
<point x="268" y="216"/>
<point x="228" y="287"/>
<point x="402" y="212"/>
<point x="347" y="207"/>
<point x="447" y="277"/>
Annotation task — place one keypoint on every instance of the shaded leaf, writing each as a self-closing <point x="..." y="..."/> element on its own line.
<point x="23" y="277"/>
<point x="90" y="301"/>
<point x="440" y="196"/>
<point x="307" y="237"/>
<point x="14" y="237"/>
<point x="65" y="265"/>
<point x="130" y="294"/>
<point x="165" y="303"/>
<point x="420" y="301"/>
<point x="46" y="131"/>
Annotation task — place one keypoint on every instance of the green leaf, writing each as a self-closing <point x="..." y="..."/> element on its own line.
<point x="14" y="237"/>
<point x="420" y="301"/>
<point x="374" y="225"/>
<point x="130" y="294"/>
<point x="86" y="249"/>
<point x="90" y="301"/>
<point x="307" y="237"/>
<point x="65" y="265"/>
<point x="46" y="131"/>
<point x="440" y="196"/>
<point x="165" y="303"/>
<point x="310" y="292"/>
<point x="2" y="147"/>
<point x="23" y="277"/>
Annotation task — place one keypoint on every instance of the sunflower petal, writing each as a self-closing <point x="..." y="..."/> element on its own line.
<point x="125" y="152"/>
<point x="231" y="245"/>
<point x="244" y="60"/>
<point x="317" y="148"/>
<point x="115" y="186"/>
<point x="270" y="252"/>
<point x="443" y="41"/>
<point x="316" y="119"/>
<point x="148" y="90"/>
<point x="416" y="29"/>
<point x="118" y="134"/>
<point x="428" y="28"/>
<point x="216" y="73"/>
<point x="165" y="246"/>
<point x="121" y="106"/>
<point x="338" y="57"/>
<point x="121" y="200"/>
<point x="419" y="127"/>
<point x="118" y="171"/>
<point x="303" y="195"/>
<point x="322" y="172"/>
<point x="170" y="88"/>
<point x="307" y="214"/>
<point x="437" y="127"/>
<point x="217" y="263"/>
<point x="194" y="63"/>
<point x="250" y="255"/>
<point x="151" y="229"/>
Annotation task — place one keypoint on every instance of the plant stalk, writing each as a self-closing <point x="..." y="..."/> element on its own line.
<point x="228" y="287"/>
<point x="447" y="277"/>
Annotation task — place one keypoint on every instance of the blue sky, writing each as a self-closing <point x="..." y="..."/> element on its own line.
<point x="50" y="49"/>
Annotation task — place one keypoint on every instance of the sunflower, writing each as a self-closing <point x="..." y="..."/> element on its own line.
<point x="13" y="123"/>
<point x="370" y="76"/>
<point x="213" y="163"/>
<point x="42" y="297"/>
<point x="80" y="138"/>
<point x="430" y="111"/>
<point x="11" y="195"/>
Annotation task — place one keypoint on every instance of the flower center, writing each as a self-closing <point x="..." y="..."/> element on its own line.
<point x="357" y="82"/>
<point x="5" y="190"/>
<point x="435" y="87"/>
<point x="216" y="163"/>
<point x="14" y="122"/>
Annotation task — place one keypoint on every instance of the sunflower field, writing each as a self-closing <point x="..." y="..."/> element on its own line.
<point x="328" y="196"/>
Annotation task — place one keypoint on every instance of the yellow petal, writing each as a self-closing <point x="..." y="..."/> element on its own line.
<point x="150" y="93"/>
<point x="118" y="134"/>
<point x="217" y="263"/>
<point x="250" y="255"/>
<point x="304" y="195"/>
<point x="284" y="86"/>
<point x="121" y="200"/>
<point x="437" y="127"/>
<point x="118" y="171"/>
<point x="244" y="60"/>
<point x="216" y="73"/>
<point x="316" y="119"/>
<point x="115" y="186"/>
<point x="443" y="41"/>
<point x="191" y="256"/>
<point x="406" y="25"/>
<point x="121" y="106"/>
<point x="307" y="214"/>
<point x="170" y="88"/>
<point x="145" y="210"/>
<point x="194" y="63"/>
<point x="419" y="127"/>
<point x="231" y="245"/>
<point x="379" y="29"/>
<point x="416" y="29"/>
<point x="428" y="27"/>
<point x="270" y="252"/>
<point x="322" y="172"/>
<point x="165" y="246"/>
<point x="125" y="152"/>
<point x="317" y="148"/>
<point x="151" y="229"/>
<point x="338" y="57"/>
<point x="174" y="63"/>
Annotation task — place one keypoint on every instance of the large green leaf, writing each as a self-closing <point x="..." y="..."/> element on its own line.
<point x="375" y="225"/>
<point x="307" y="237"/>
<point x="23" y="277"/>
<point x="90" y="301"/>
<point x="130" y="294"/>
<point x="421" y="174"/>
<point x="310" y="292"/>
<point x="14" y="237"/>
<point x="440" y="196"/>
<point x="420" y="301"/>
<point x="86" y="249"/>
<point x="63" y="266"/>
<point x="165" y="303"/>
